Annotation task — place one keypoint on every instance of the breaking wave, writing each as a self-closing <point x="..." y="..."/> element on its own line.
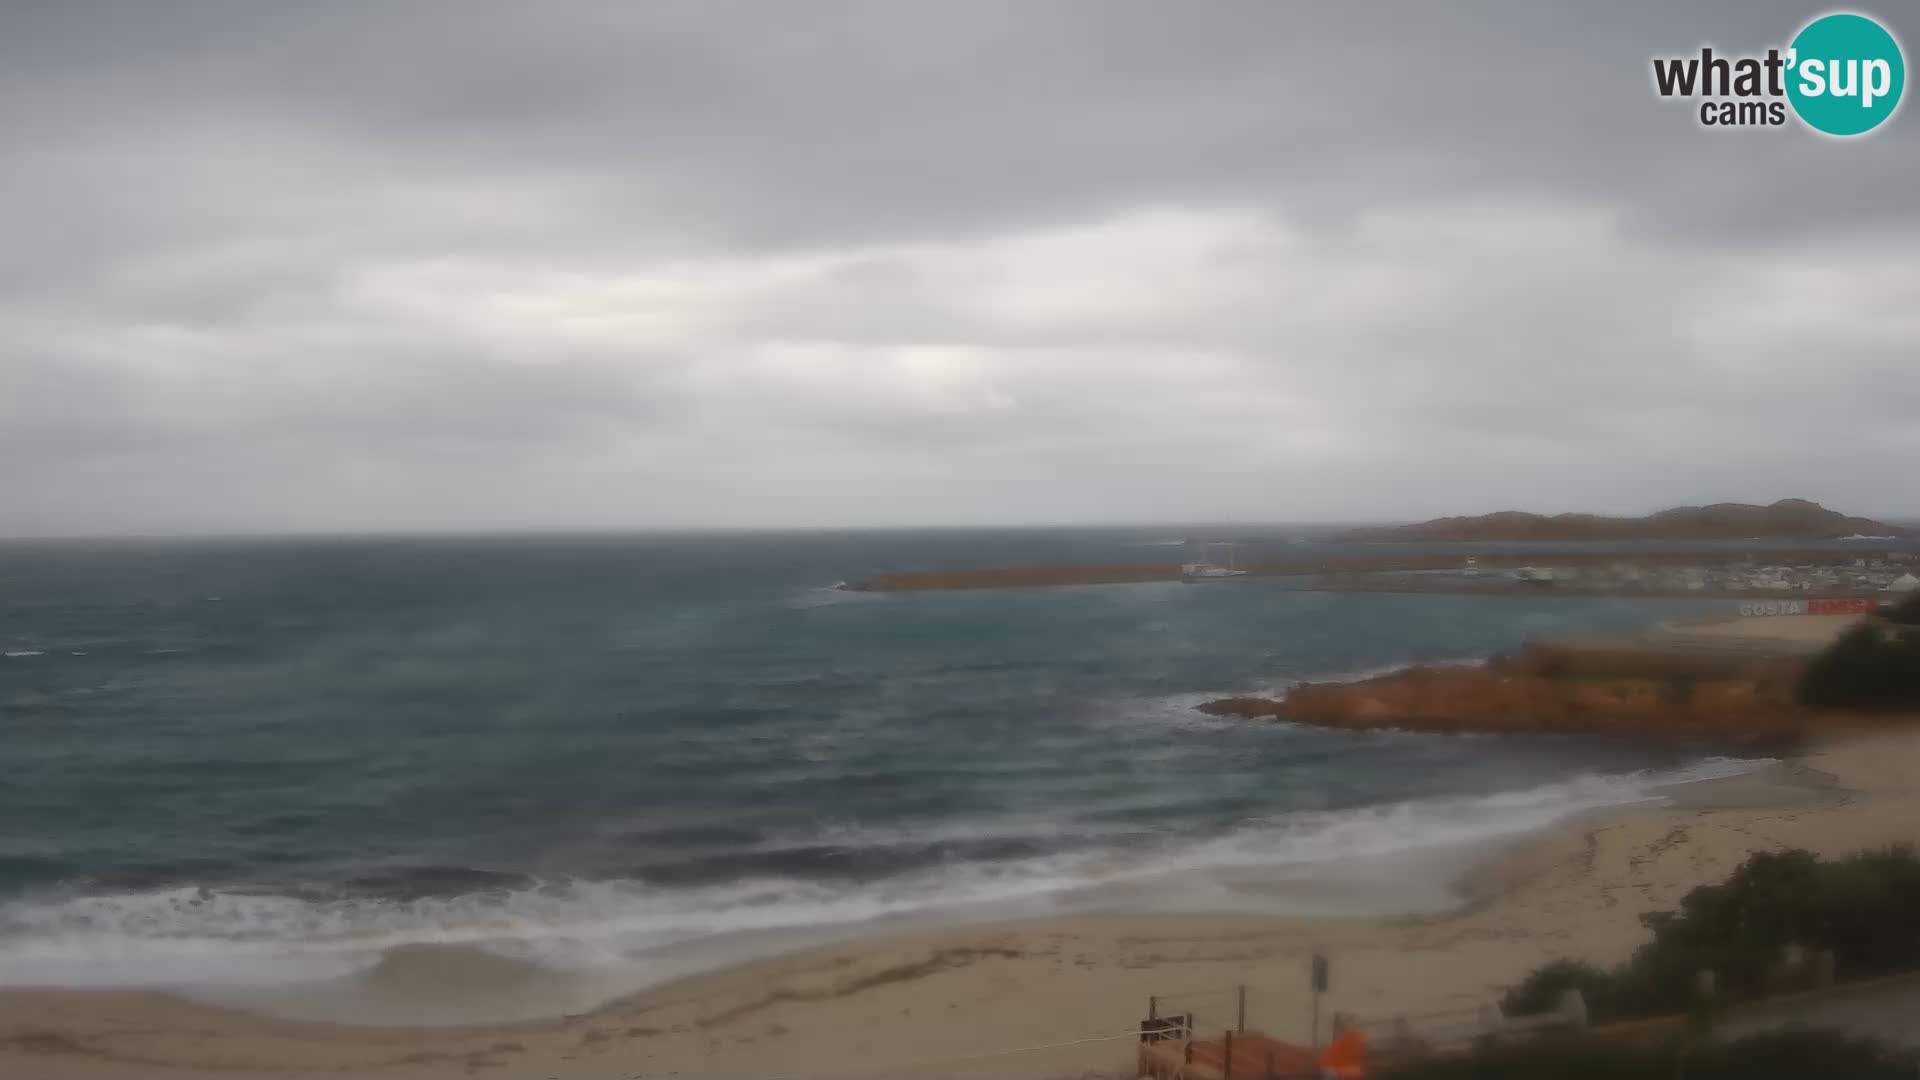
<point x="227" y="937"/>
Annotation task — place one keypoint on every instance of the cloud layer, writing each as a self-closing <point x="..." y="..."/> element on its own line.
<point x="350" y="267"/>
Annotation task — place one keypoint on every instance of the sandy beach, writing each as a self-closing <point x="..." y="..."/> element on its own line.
<point x="944" y="1003"/>
<point x="1809" y="632"/>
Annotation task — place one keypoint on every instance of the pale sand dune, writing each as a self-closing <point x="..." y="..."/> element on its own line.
<point x="906" y="1006"/>
<point x="1798" y="629"/>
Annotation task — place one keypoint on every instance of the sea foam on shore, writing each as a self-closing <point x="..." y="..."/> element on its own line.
<point x="514" y="953"/>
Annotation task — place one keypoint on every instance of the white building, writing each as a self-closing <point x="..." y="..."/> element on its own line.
<point x="1904" y="583"/>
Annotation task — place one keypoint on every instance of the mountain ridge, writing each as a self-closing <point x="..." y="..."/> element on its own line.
<point x="1787" y="519"/>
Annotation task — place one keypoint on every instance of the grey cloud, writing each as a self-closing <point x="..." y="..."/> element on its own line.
<point x="880" y="119"/>
<point x="566" y="246"/>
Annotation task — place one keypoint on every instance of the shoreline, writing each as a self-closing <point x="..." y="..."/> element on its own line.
<point x="1348" y="573"/>
<point x="931" y="1002"/>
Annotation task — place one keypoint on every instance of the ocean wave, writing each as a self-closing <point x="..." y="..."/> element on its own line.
<point x="1418" y="824"/>
<point x="21" y="654"/>
<point x="200" y="936"/>
<point x="832" y="595"/>
<point x="1353" y="675"/>
<point x="960" y="830"/>
<point x="192" y="936"/>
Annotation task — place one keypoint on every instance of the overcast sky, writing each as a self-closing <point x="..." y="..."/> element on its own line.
<point x="340" y="266"/>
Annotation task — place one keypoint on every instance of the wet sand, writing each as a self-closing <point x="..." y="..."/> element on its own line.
<point x="944" y="1002"/>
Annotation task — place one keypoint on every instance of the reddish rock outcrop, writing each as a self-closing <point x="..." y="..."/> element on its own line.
<point x="1547" y="689"/>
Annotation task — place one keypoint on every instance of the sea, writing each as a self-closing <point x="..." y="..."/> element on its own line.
<point x="447" y="779"/>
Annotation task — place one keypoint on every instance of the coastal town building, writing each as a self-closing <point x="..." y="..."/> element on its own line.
<point x="1880" y="572"/>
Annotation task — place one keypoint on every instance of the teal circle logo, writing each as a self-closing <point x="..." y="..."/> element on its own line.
<point x="1845" y="74"/>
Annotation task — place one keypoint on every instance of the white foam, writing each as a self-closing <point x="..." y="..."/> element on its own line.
<point x="188" y="937"/>
<point x="831" y="595"/>
<point x="208" y="939"/>
<point x="1277" y="690"/>
<point x="1002" y="827"/>
<point x="1445" y="822"/>
<point x="17" y="654"/>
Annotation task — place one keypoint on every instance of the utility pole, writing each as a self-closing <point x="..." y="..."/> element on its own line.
<point x="1319" y="985"/>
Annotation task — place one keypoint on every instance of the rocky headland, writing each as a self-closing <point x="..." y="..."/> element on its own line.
<point x="1567" y="690"/>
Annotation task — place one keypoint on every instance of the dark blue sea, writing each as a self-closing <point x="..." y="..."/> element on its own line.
<point x="246" y="768"/>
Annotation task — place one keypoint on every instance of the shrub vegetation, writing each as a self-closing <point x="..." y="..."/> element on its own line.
<point x="1870" y="667"/>
<point x="1861" y="907"/>
<point x="1904" y="613"/>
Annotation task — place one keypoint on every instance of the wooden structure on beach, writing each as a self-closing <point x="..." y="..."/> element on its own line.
<point x="1172" y="1046"/>
<point x="1249" y="1055"/>
<point x="1181" y="1046"/>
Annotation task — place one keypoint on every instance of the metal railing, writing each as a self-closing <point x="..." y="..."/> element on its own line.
<point x="1212" y="1018"/>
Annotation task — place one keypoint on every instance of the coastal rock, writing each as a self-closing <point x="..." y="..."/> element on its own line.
<point x="1551" y="690"/>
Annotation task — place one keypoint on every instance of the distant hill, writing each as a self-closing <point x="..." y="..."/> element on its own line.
<point x="1788" y="519"/>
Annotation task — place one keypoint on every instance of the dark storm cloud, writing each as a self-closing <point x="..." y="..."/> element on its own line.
<point x="517" y="257"/>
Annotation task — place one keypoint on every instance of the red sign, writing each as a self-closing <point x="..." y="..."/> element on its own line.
<point x="1854" y="605"/>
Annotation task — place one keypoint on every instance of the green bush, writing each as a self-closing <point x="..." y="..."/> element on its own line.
<point x="1780" y="1055"/>
<point x="1867" y="668"/>
<point x="1540" y="992"/>
<point x="1860" y="907"/>
<point x="1904" y="613"/>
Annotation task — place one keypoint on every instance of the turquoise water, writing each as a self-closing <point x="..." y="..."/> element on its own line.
<point x="272" y="763"/>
